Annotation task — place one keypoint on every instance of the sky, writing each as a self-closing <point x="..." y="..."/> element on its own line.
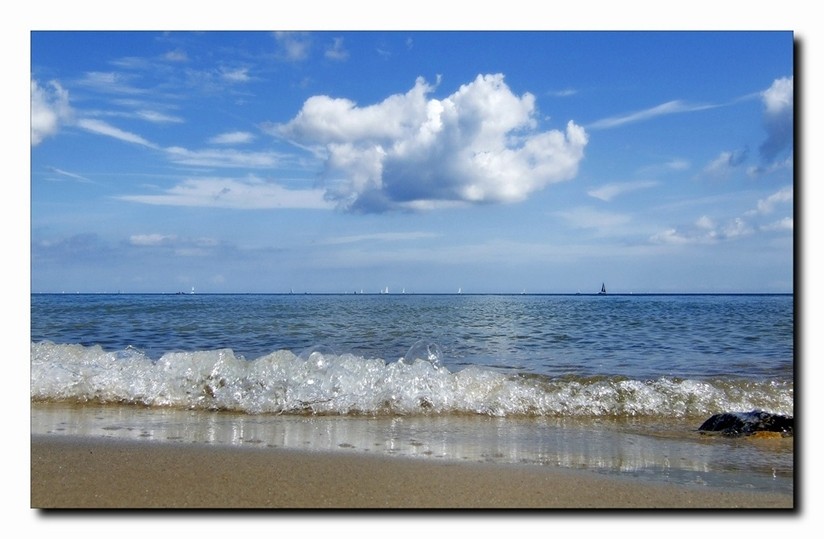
<point x="412" y="161"/>
<point x="665" y="168"/>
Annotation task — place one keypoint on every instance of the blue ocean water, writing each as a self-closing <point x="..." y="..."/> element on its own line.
<point x="615" y="383"/>
<point x="689" y="355"/>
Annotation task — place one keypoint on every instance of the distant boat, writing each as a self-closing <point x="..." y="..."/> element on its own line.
<point x="603" y="291"/>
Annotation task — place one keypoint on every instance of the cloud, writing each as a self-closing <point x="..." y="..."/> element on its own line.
<point x="725" y="162"/>
<point x="478" y="145"/>
<point x="611" y="190"/>
<point x="49" y="110"/>
<point x="767" y="205"/>
<point x="102" y="128"/>
<point x="84" y="248"/>
<point x="778" y="118"/>
<point x="240" y="74"/>
<point x="665" y="168"/>
<point x="152" y="240"/>
<point x="176" y="56"/>
<point x="177" y="246"/>
<point x="671" y="236"/>
<point x="782" y="225"/>
<point x="110" y="82"/>
<point x="336" y="50"/>
<point x="223" y="158"/>
<point x="233" y="137"/>
<point x="228" y="158"/>
<point x="293" y="46"/>
<point x="71" y="175"/>
<point x="670" y="107"/>
<point x="380" y="236"/>
<point x="677" y="164"/>
<point x="704" y="230"/>
<point x="249" y="194"/>
<point x="157" y="117"/>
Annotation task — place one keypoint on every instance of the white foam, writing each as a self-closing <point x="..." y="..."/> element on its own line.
<point x="319" y="381"/>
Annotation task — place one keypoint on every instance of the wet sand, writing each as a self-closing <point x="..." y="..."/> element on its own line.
<point x="90" y="472"/>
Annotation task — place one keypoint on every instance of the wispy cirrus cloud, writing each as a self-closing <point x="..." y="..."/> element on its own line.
<point x="224" y="157"/>
<point x="379" y="237"/>
<point x="103" y="128"/>
<point x="113" y="82"/>
<point x="232" y="137"/>
<point x="247" y="194"/>
<point x="156" y="117"/>
<point x="611" y="190"/>
<point x="152" y="240"/>
<point x="566" y="92"/>
<point x="72" y="175"/>
<point x="176" y="245"/>
<point x="664" y="109"/>
<point x="212" y="157"/>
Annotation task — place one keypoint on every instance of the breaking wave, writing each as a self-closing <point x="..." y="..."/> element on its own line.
<point x="319" y="381"/>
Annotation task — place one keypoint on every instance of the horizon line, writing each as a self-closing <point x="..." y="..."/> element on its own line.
<point x="306" y="293"/>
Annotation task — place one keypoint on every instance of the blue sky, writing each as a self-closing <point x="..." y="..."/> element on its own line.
<point x="342" y="161"/>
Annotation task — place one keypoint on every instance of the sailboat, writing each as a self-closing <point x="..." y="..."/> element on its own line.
<point x="603" y="291"/>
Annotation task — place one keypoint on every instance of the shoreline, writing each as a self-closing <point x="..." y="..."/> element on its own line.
<point x="73" y="472"/>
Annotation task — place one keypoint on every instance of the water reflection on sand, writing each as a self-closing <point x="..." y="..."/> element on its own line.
<point x="673" y="452"/>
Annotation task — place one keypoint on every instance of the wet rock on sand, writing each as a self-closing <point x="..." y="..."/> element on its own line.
<point x="748" y="423"/>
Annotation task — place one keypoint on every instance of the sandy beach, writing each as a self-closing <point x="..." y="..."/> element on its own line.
<point x="86" y="472"/>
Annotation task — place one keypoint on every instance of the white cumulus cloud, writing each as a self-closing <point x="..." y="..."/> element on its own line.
<point x="49" y="110"/>
<point x="778" y="118"/>
<point x="478" y="145"/>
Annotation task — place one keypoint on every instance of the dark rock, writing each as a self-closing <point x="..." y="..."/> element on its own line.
<point x="746" y="423"/>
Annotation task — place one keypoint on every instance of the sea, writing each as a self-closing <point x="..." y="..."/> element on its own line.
<point x="613" y="384"/>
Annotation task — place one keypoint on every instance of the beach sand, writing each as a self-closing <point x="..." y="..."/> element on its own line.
<point x="92" y="472"/>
